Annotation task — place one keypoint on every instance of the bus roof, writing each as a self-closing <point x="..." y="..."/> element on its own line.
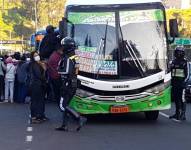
<point x="108" y="2"/>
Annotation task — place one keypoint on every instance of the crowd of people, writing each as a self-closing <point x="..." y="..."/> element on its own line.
<point x="13" y="75"/>
<point x="42" y="75"/>
<point x="24" y="77"/>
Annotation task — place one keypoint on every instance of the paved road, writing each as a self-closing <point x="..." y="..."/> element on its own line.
<point x="130" y="131"/>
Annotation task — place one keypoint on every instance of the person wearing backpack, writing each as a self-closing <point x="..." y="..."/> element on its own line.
<point x="9" y="80"/>
<point x="2" y="73"/>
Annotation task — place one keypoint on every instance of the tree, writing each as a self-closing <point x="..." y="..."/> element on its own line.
<point x="50" y="12"/>
<point x="184" y="20"/>
<point x="18" y="16"/>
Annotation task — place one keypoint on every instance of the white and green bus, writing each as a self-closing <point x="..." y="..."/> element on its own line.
<point x="122" y="49"/>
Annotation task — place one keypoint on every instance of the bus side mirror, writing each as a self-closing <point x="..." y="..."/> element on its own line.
<point x="173" y="24"/>
<point x="63" y="28"/>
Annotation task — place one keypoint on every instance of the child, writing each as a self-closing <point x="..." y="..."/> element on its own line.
<point x="9" y="80"/>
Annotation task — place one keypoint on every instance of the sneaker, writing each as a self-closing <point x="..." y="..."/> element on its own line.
<point x="183" y="116"/>
<point x="35" y="120"/>
<point x="62" y="128"/>
<point x="175" y="116"/>
<point x="6" y="101"/>
<point x="82" y="122"/>
<point x="45" y="118"/>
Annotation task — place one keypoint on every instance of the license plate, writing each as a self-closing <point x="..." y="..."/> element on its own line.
<point x="119" y="109"/>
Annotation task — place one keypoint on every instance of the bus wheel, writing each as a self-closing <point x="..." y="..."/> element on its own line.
<point x="152" y="115"/>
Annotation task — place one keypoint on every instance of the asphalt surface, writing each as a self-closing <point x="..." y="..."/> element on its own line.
<point x="103" y="132"/>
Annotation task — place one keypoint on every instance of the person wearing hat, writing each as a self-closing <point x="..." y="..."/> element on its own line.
<point x="180" y="72"/>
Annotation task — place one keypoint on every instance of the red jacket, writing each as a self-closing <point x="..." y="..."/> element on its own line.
<point x="53" y="65"/>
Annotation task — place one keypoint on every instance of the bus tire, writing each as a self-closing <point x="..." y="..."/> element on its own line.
<point x="152" y="115"/>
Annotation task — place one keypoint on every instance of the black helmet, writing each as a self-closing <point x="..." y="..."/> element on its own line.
<point x="50" y="29"/>
<point x="179" y="52"/>
<point x="68" y="44"/>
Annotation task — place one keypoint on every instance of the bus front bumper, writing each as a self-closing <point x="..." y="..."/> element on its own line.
<point x="160" y="101"/>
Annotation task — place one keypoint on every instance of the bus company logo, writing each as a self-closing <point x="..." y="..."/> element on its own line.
<point x="86" y="82"/>
<point x="120" y="98"/>
<point x="120" y="86"/>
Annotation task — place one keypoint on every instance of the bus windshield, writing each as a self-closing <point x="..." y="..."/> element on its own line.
<point x="122" y="44"/>
<point x="145" y="49"/>
<point x="95" y="35"/>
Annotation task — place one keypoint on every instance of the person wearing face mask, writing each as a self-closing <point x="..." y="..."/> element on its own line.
<point x="37" y="88"/>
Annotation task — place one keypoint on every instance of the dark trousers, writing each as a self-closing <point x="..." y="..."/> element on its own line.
<point x="177" y="95"/>
<point x="15" y="93"/>
<point x="67" y="112"/>
<point x="22" y="92"/>
<point x="56" y="84"/>
<point x="37" y="100"/>
<point x="1" y="85"/>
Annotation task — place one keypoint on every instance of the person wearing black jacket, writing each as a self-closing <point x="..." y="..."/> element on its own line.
<point x="68" y="70"/>
<point x="48" y="43"/>
<point x="37" y="88"/>
<point x="180" y="72"/>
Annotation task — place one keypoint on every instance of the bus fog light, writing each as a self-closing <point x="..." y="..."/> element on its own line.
<point x="90" y="106"/>
<point x="80" y="106"/>
<point x="150" y="104"/>
<point x="159" y="102"/>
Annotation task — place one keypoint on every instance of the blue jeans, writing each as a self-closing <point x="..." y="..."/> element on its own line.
<point x="9" y="90"/>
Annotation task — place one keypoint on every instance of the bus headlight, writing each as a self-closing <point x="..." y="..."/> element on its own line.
<point x="83" y="93"/>
<point x="159" y="88"/>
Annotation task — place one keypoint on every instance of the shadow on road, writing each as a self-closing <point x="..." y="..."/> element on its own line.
<point x="130" y="118"/>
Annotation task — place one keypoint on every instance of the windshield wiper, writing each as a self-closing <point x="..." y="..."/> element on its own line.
<point x="105" y="39"/>
<point x="135" y="58"/>
<point x="132" y="53"/>
<point x="72" y="28"/>
<point x="101" y="50"/>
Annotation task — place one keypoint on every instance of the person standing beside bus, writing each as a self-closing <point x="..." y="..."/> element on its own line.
<point x="54" y="77"/>
<point x="68" y="69"/>
<point x="179" y="69"/>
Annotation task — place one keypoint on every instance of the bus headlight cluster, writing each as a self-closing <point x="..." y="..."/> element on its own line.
<point x="83" y="93"/>
<point x="159" y="88"/>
